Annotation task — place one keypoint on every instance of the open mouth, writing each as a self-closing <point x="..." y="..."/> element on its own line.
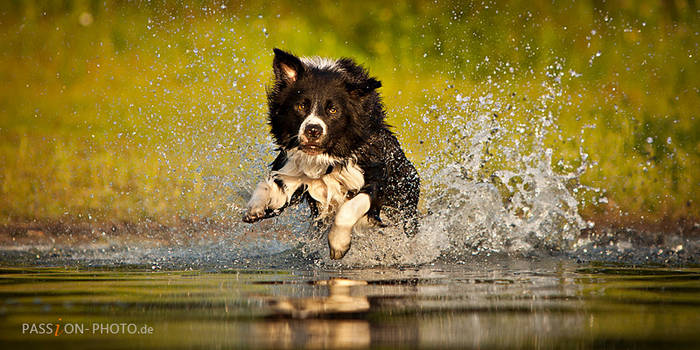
<point x="311" y="149"/>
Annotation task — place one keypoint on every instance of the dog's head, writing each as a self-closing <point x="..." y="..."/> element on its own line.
<point x="322" y="106"/>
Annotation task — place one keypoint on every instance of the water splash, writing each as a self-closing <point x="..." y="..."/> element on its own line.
<point x="488" y="187"/>
<point x="493" y="181"/>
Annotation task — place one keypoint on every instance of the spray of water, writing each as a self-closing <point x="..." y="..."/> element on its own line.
<point x="493" y="182"/>
<point x="489" y="187"/>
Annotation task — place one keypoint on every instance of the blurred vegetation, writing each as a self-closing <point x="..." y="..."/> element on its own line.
<point x="155" y="111"/>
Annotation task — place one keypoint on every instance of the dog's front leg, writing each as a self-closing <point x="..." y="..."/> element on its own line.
<point x="269" y="199"/>
<point x="345" y="219"/>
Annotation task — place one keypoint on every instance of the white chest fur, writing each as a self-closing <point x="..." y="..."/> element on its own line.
<point x="331" y="189"/>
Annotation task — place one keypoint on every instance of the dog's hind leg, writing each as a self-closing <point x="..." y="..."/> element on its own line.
<point x="345" y="219"/>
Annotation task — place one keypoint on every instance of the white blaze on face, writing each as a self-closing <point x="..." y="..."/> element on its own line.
<point x="312" y="119"/>
<point x="320" y="63"/>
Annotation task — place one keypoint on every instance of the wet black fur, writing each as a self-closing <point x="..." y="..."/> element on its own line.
<point x="358" y="130"/>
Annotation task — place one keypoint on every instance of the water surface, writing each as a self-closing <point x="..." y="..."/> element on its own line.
<point x="501" y="303"/>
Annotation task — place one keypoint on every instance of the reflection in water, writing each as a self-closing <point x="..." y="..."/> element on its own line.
<point x="314" y="333"/>
<point x="339" y="300"/>
<point x="319" y="333"/>
<point x="505" y="304"/>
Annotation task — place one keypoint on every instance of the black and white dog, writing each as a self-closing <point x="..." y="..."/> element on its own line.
<point x="335" y="150"/>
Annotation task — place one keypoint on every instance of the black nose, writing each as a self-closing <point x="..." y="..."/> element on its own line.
<point x="313" y="131"/>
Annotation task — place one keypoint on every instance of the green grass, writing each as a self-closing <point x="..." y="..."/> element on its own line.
<point x="154" y="111"/>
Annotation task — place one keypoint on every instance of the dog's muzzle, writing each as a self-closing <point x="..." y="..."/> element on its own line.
<point x="313" y="132"/>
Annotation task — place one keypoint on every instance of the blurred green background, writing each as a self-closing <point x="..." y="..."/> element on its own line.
<point x="118" y="111"/>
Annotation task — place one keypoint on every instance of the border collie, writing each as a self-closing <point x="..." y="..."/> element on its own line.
<point x="335" y="150"/>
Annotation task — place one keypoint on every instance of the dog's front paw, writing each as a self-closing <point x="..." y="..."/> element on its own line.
<point x="337" y="254"/>
<point x="256" y="212"/>
<point x="339" y="241"/>
<point x="254" y="215"/>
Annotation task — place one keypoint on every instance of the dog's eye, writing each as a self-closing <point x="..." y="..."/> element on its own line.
<point x="301" y="107"/>
<point x="332" y="110"/>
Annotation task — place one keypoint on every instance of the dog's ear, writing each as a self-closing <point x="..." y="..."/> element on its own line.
<point x="288" y="68"/>
<point x="363" y="88"/>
